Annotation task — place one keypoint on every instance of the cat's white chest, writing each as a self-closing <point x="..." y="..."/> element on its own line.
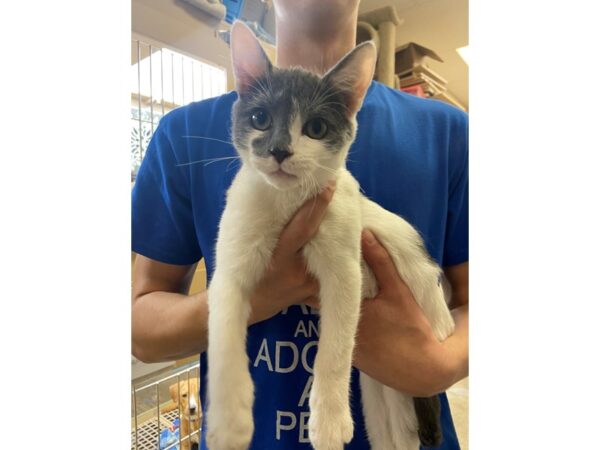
<point x="256" y="214"/>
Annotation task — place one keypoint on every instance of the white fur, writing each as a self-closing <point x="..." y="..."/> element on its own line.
<point x="260" y="201"/>
<point x="252" y="221"/>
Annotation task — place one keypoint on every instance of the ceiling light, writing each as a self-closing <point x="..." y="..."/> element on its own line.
<point x="464" y="53"/>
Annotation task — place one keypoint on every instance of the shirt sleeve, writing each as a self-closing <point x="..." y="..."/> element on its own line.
<point x="456" y="246"/>
<point x="162" y="219"/>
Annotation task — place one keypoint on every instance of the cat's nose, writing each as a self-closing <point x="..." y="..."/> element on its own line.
<point x="280" y="154"/>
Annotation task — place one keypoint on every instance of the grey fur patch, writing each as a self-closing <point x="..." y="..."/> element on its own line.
<point x="284" y="94"/>
<point x="428" y="416"/>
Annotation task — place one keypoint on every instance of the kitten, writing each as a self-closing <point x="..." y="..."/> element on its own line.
<point x="293" y="130"/>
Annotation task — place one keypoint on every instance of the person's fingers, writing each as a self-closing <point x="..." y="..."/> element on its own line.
<point x="305" y="223"/>
<point x="312" y="286"/>
<point x="381" y="264"/>
<point x="312" y="302"/>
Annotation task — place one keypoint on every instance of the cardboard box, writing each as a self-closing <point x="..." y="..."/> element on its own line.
<point x="412" y="55"/>
<point x="425" y="73"/>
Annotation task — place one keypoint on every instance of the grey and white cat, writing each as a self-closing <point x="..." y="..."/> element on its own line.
<point x="292" y="130"/>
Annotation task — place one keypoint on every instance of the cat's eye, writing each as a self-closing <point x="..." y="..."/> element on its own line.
<point x="261" y="119"/>
<point x="184" y="395"/>
<point x="316" y="128"/>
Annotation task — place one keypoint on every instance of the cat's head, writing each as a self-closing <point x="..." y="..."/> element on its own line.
<point x="291" y="126"/>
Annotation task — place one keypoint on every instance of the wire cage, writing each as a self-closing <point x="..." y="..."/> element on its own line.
<point x="155" y="412"/>
<point x="161" y="80"/>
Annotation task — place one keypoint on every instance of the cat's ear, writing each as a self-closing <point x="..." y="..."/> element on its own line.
<point x="249" y="59"/>
<point x="353" y="74"/>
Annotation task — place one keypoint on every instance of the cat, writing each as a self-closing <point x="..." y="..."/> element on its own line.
<point x="292" y="130"/>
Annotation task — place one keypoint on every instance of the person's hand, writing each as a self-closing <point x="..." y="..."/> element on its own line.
<point x="286" y="281"/>
<point x="395" y="342"/>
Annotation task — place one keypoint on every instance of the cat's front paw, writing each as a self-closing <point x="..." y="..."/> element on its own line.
<point x="229" y="429"/>
<point x="330" y="430"/>
<point x="229" y="417"/>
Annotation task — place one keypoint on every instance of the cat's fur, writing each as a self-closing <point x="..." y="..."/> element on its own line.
<point x="260" y="203"/>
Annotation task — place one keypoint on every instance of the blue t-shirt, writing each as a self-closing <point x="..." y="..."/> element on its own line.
<point x="410" y="156"/>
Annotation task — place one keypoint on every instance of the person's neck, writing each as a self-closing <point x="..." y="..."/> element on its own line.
<point x="311" y="50"/>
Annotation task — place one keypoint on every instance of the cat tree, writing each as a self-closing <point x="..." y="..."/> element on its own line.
<point x="380" y="26"/>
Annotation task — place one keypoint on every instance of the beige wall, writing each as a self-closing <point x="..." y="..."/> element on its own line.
<point x="182" y="28"/>
<point x="199" y="280"/>
<point x="441" y="25"/>
<point x="186" y="29"/>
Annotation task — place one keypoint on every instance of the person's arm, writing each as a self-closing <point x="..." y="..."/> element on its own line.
<point x="395" y="343"/>
<point x="456" y="346"/>
<point x="167" y="324"/>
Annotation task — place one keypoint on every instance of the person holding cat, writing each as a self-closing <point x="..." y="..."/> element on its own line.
<point x="410" y="156"/>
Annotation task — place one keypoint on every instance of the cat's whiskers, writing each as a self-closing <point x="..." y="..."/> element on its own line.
<point x="305" y="187"/>
<point x="318" y="95"/>
<point x="327" y="105"/>
<point x="208" y="161"/>
<point x="311" y="101"/>
<point x="351" y="160"/>
<point x="345" y="83"/>
<point x="327" y="169"/>
<point x="207" y="138"/>
<point x="261" y="88"/>
<point x="268" y="78"/>
<point x="311" y="189"/>
<point x="308" y="186"/>
<point x="230" y="163"/>
<point x="266" y="90"/>
<point x="327" y="93"/>
<point x="312" y="208"/>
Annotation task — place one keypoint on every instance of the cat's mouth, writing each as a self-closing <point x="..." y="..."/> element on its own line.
<point x="280" y="173"/>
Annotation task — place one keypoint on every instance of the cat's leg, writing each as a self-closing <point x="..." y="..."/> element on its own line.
<point x="375" y="413"/>
<point x="416" y="268"/>
<point x="374" y="410"/>
<point x="403" y="425"/>
<point x="330" y="424"/>
<point x="415" y="421"/>
<point x="389" y="416"/>
<point x="230" y="389"/>
<point x="422" y="275"/>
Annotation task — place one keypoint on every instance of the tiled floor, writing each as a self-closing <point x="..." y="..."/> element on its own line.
<point x="458" y="396"/>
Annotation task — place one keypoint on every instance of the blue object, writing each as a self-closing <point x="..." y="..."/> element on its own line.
<point x="170" y="437"/>
<point x="410" y="156"/>
<point x="234" y="9"/>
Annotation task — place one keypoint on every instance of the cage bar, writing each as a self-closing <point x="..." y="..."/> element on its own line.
<point x="139" y="100"/>
<point x="151" y="98"/>
<point x="146" y="435"/>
